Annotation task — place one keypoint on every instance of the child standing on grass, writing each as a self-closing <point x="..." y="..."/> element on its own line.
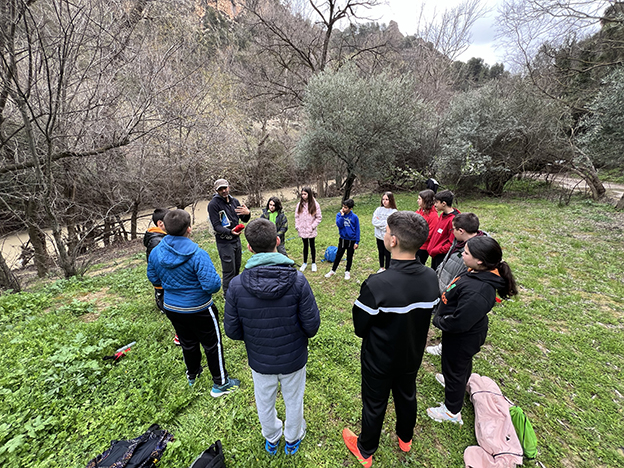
<point x="349" y="229"/>
<point x="427" y="211"/>
<point x="388" y="206"/>
<point x="392" y="316"/>
<point x="189" y="280"/>
<point x="271" y="307"/>
<point x="442" y="237"/>
<point x="307" y="217"/>
<point x="274" y="213"/>
<point x="462" y="317"/>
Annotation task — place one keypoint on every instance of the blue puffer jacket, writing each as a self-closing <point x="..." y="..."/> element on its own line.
<point x="185" y="272"/>
<point x="271" y="307"/>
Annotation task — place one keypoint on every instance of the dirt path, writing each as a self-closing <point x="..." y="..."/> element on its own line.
<point x="614" y="191"/>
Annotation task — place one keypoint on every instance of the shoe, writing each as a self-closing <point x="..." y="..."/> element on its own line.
<point x="347" y="275"/>
<point x="435" y="350"/>
<point x="381" y="269"/>
<point x="303" y="267"/>
<point x="330" y="274"/>
<point x="441" y="414"/>
<point x="192" y="380"/>
<point x="313" y="267"/>
<point x="405" y="446"/>
<point x="176" y="341"/>
<point x="440" y="379"/>
<point x="292" y="448"/>
<point x="227" y="387"/>
<point x="350" y="440"/>
<point x="271" y="448"/>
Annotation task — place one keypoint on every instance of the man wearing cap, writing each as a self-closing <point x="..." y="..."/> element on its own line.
<point x="225" y="213"/>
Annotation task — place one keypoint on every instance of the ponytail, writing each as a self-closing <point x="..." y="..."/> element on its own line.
<point x="510" y="288"/>
<point x="489" y="252"/>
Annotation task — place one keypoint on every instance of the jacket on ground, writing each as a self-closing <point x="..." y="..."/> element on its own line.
<point x="348" y="226"/>
<point x="392" y="316"/>
<point x="442" y="237"/>
<point x="305" y="223"/>
<point x="271" y="307"/>
<point x="223" y="218"/>
<point x="152" y="238"/>
<point x="185" y="272"/>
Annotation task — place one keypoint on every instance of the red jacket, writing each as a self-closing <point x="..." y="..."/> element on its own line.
<point x="442" y="239"/>
<point x="432" y="221"/>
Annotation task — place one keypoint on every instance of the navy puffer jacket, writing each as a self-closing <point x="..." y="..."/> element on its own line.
<point x="273" y="310"/>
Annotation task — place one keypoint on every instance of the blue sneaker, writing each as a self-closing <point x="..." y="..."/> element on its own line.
<point x="192" y="378"/>
<point x="292" y="448"/>
<point x="227" y="387"/>
<point x="271" y="448"/>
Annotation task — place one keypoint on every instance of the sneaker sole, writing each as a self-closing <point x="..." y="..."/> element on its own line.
<point x="220" y="393"/>
<point x="460" y="422"/>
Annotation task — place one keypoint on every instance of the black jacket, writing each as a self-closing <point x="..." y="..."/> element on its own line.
<point x="392" y="315"/>
<point x="152" y="238"/>
<point x="222" y="215"/>
<point x="466" y="302"/>
<point x="273" y="310"/>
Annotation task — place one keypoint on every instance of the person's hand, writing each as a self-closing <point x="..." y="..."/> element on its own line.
<point x="234" y="233"/>
<point x="242" y="210"/>
<point x="355" y="246"/>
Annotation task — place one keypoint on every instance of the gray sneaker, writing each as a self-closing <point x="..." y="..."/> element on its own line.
<point x="435" y="350"/>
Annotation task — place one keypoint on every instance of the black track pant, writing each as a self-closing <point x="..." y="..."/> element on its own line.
<point x="200" y="328"/>
<point x="348" y="246"/>
<point x="375" y="394"/>
<point x="312" y="249"/>
<point x="384" y="255"/>
<point x="457" y="354"/>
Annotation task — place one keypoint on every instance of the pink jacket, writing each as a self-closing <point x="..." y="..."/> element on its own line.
<point x="305" y="223"/>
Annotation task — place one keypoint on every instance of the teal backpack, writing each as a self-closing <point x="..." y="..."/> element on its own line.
<point x="525" y="431"/>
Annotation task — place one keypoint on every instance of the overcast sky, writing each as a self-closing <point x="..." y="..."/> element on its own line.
<point x="405" y="13"/>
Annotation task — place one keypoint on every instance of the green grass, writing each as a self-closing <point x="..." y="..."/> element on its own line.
<point x="556" y="350"/>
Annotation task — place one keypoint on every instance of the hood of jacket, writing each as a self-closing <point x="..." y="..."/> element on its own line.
<point x="269" y="275"/>
<point x="176" y="250"/>
<point x="491" y="277"/>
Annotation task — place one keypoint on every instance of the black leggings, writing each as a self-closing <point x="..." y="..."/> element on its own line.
<point x="343" y="245"/>
<point x="312" y="249"/>
<point x="384" y="255"/>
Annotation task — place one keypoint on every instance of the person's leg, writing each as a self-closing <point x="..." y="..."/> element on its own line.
<point x="339" y="254"/>
<point x="313" y="249"/>
<point x="404" y="394"/>
<point x="350" y="251"/>
<point x="207" y="329"/>
<point x="422" y="255"/>
<point x="238" y="256"/>
<point x="305" y="249"/>
<point x="228" y="265"/>
<point x="282" y="247"/>
<point x="293" y="387"/>
<point x="388" y="257"/>
<point x="265" y="391"/>
<point x="189" y="342"/>
<point x="381" y="251"/>
<point x="375" y="393"/>
<point x="159" y="296"/>
<point x="435" y="261"/>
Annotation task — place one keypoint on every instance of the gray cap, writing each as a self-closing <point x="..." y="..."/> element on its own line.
<point x="220" y="183"/>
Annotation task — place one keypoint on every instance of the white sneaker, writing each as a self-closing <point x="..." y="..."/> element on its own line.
<point x="347" y="275"/>
<point x="330" y="274"/>
<point x="442" y="414"/>
<point x="440" y="379"/>
<point x="303" y="267"/>
<point x="380" y="270"/>
<point x="435" y="350"/>
<point x="314" y="267"/>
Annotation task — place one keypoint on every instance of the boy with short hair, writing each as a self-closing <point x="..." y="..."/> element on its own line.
<point x="189" y="280"/>
<point x="442" y="237"/>
<point x="349" y="230"/>
<point x="392" y="318"/>
<point x="465" y="226"/>
<point x="271" y="307"/>
<point x="151" y="239"/>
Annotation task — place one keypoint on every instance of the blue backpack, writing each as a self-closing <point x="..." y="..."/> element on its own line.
<point x="330" y="253"/>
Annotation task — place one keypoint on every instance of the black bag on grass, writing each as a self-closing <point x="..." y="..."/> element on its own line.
<point x="142" y="452"/>
<point x="211" y="458"/>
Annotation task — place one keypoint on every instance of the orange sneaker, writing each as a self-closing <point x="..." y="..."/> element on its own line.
<point x="405" y="446"/>
<point x="350" y="440"/>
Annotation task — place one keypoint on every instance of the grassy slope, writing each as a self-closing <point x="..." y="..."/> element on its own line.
<point x="556" y="351"/>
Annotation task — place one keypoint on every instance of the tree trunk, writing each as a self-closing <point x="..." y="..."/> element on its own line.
<point x="348" y="186"/>
<point x="320" y="186"/>
<point x="134" y="220"/>
<point x="7" y="279"/>
<point x="37" y="240"/>
<point x="620" y="204"/>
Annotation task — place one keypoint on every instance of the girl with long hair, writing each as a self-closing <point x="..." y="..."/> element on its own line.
<point x="427" y="211"/>
<point x="307" y="217"/>
<point x="462" y="317"/>
<point x="274" y="213"/>
<point x="380" y="217"/>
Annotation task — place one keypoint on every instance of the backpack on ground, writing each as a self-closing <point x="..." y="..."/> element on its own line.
<point x="330" y="254"/>
<point x="210" y="458"/>
<point x="142" y="452"/>
<point x="525" y="431"/>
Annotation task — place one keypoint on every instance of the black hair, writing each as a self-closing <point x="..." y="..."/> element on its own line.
<point x="428" y="200"/>
<point x="391" y="201"/>
<point x="349" y="203"/>
<point x="309" y="201"/>
<point x="445" y="196"/>
<point x="261" y="235"/>
<point x="159" y="215"/>
<point x="469" y="222"/>
<point x="489" y="252"/>
<point x="277" y="202"/>
<point x="409" y="228"/>
<point x="177" y="222"/>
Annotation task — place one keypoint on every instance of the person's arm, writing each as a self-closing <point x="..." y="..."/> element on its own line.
<point x="243" y="213"/>
<point x="364" y="310"/>
<point x="282" y="226"/>
<point x="318" y="217"/>
<point x="308" y="311"/>
<point x="152" y="274"/>
<point x="471" y="307"/>
<point x="357" y="229"/>
<point x="377" y="221"/>
<point x="231" y="320"/>
<point x="215" y="220"/>
<point x="339" y="219"/>
<point x="206" y="272"/>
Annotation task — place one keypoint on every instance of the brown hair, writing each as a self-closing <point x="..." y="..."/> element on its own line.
<point x="428" y="200"/>
<point x="391" y="202"/>
<point x="310" y="201"/>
